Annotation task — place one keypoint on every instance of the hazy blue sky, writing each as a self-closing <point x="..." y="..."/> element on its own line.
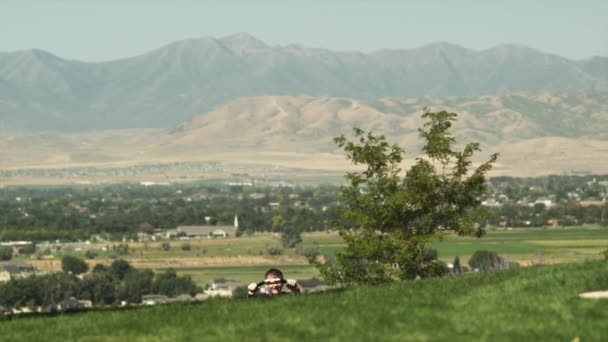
<point x="110" y="29"/>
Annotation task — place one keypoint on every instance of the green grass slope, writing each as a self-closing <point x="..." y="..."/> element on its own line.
<point x="530" y="304"/>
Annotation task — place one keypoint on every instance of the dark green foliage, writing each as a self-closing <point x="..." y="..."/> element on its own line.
<point x="6" y="253"/>
<point x="435" y="268"/>
<point x="169" y="284"/>
<point x="90" y="254"/>
<point x="430" y="254"/>
<point x="240" y="292"/>
<point x="290" y="238"/>
<point x="485" y="260"/>
<point x="29" y="249"/>
<point x="121" y="249"/>
<point x="99" y="268"/>
<point x="120" y="211"/>
<point x="38" y="290"/>
<point x="136" y="284"/>
<point x="457" y="268"/>
<point x="116" y="212"/>
<point x="274" y="250"/>
<point x="165" y="246"/>
<point x="103" y="286"/>
<point x="120" y="268"/>
<point x="99" y="286"/>
<point x="186" y="246"/>
<point x="73" y="264"/>
<point x="389" y="217"/>
<point x="308" y="251"/>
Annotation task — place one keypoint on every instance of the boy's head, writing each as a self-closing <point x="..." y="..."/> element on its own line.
<point x="274" y="281"/>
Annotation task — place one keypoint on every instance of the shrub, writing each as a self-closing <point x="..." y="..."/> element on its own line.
<point x="186" y="246"/>
<point x="308" y="251"/>
<point x="120" y="268"/>
<point x="165" y="246"/>
<point x="488" y="260"/>
<point x="435" y="268"/>
<point x="457" y="268"/>
<point x="240" y="292"/>
<point x="170" y="284"/>
<point x="90" y="254"/>
<point x="74" y="265"/>
<point x="274" y="250"/>
<point x="121" y="249"/>
<point x="430" y="255"/>
<point x="29" y="249"/>
<point x="6" y="253"/>
<point x="290" y="238"/>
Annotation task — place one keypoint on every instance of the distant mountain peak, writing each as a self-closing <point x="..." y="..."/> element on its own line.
<point x="513" y="49"/>
<point x="443" y="46"/>
<point x="41" y="55"/>
<point x="243" y="42"/>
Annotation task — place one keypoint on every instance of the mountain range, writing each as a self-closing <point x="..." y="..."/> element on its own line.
<point x="535" y="133"/>
<point x="178" y="82"/>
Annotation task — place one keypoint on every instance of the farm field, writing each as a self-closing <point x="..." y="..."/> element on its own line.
<point x="525" y="245"/>
<point x="533" y="304"/>
<point x="245" y="259"/>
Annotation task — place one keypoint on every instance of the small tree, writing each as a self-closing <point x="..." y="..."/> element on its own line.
<point x="290" y="238"/>
<point x="274" y="250"/>
<point x="170" y="284"/>
<point x="186" y="246"/>
<point x="309" y="251"/>
<point x="485" y="260"/>
<point x="120" y="268"/>
<point x="457" y="268"/>
<point x="90" y="254"/>
<point x="165" y="246"/>
<point x="240" y="292"/>
<point x="29" y="248"/>
<point x="99" y="286"/>
<point x="73" y="264"/>
<point x="6" y="253"/>
<point x="135" y="285"/>
<point x="388" y="218"/>
<point x="121" y="249"/>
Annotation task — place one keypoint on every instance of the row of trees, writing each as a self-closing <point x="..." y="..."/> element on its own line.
<point x="559" y="187"/>
<point x="567" y="214"/>
<point x="103" y="285"/>
<point x="76" y="214"/>
<point x="68" y="214"/>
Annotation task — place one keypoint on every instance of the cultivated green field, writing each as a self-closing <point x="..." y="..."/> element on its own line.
<point x="525" y="246"/>
<point x="246" y="259"/>
<point x="556" y="245"/>
<point x="246" y="274"/>
<point x="524" y="304"/>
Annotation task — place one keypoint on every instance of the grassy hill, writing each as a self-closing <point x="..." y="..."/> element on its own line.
<point x="536" y="303"/>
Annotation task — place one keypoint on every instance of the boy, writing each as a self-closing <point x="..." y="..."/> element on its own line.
<point x="274" y="281"/>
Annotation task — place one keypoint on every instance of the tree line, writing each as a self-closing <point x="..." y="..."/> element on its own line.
<point x="119" y="211"/>
<point x="103" y="285"/>
<point x="77" y="213"/>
